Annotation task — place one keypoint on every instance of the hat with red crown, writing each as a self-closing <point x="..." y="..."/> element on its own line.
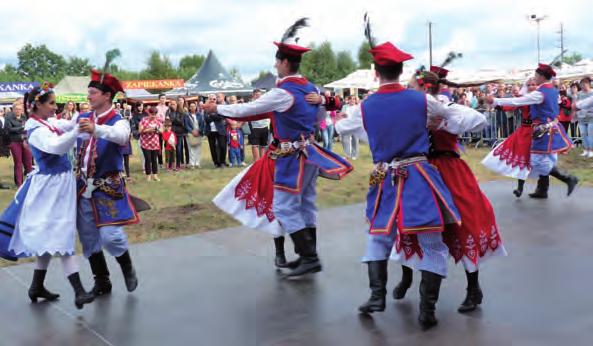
<point x="385" y="53"/>
<point x="288" y="47"/>
<point x="545" y="70"/>
<point x="104" y="81"/>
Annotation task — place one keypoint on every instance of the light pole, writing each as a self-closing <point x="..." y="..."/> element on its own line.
<point x="537" y="19"/>
<point x="430" y="43"/>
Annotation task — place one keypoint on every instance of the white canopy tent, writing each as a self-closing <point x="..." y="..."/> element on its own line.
<point x="366" y="79"/>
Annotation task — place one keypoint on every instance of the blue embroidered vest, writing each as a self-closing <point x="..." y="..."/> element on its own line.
<point x="396" y="124"/>
<point x="49" y="163"/>
<point x="547" y="109"/>
<point x="109" y="154"/>
<point x="301" y="117"/>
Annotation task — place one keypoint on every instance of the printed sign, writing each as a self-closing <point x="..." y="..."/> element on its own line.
<point x="153" y="84"/>
<point x="18" y="87"/>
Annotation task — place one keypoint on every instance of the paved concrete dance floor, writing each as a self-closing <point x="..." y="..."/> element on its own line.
<point x="220" y="288"/>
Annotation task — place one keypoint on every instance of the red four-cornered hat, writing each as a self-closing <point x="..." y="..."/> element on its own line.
<point x="546" y="68"/>
<point x="441" y="72"/>
<point x="388" y="54"/>
<point x="109" y="81"/>
<point x="291" y="49"/>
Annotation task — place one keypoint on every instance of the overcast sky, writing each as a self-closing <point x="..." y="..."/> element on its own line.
<point x="490" y="34"/>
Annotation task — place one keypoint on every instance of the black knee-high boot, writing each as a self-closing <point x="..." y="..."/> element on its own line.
<point x="81" y="296"/>
<point x="312" y="235"/>
<point x="541" y="191"/>
<point x="474" y="294"/>
<point x="519" y="190"/>
<point x="430" y="286"/>
<point x="125" y="262"/>
<point x="570" y="180"/>
<point x="399" y="292"/>
<point x="378" y="285"/>
<point x="101" y="274"/>
<point x="280" y="260"/>
<point x="38" y="290"/>
<point x="308" y="261"/>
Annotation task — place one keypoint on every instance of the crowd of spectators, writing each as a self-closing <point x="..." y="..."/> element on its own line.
<point x="170" y="135"/>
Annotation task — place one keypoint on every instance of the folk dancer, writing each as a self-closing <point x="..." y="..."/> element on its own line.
<point x="277" y="193"/>
<point x="549" y="138"/>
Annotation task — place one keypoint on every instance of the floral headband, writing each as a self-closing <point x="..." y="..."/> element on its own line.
<point x="420" y="75"/>
<point x="44" y="88"/>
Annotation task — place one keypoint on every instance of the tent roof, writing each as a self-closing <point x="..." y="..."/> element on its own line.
<point x="73" y="85"/>
<point x="9" y="97"/>
<point x="212" y="77"/>
<point x="267" y="81"/>
<point x="140" y="94"/>
<point x="366" y="79"/>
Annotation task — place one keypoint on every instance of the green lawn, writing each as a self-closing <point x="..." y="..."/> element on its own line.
<point x="181" y="201"/>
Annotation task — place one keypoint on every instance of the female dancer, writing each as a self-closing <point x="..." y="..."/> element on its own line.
<point x="512" y="158"/>
<point x="477" y="238"/>
<point x="42" y="217"/>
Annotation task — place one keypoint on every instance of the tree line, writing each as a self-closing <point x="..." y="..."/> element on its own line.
<point x="38" y="63"/>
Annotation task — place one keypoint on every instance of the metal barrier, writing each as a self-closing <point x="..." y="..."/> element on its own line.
<point x="501" y="125"/>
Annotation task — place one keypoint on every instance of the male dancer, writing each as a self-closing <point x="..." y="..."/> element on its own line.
<point x="104" y="205"/>
<point x="549" y="137"/>
<point x="297" y="159"/>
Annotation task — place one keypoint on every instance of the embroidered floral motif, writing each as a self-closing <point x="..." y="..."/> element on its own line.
<point x="471" y="251"/>
<point x="483" y="243"/>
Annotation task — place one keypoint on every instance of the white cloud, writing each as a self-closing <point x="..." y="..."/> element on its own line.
<point x="489" y="33"/>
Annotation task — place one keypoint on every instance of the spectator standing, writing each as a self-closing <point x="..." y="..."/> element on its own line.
<point x="4" y="142"/>
<point x="503" y="122"/>
<point x="572" y="93"/>
<point x="162" y="110"/>
<point x="585" y="119"/>
<point x="326" y="125"/>
<point x="170" y="145"/>
<point x="126" y="113"/>
<point x="243" y="125"/>
<point x="349" y="142"/>
<point x="149" y="128"/>
<point x="565" y="116"/>
<point x="215" y="130"/>
<point x="19" y="149"/>
<point x="194" y="138"/>
<point x="138" y="114"/>
<point x="235" y="142"/>
<point x="69" y="111"/>
<point x="181" y="127"/>
<point x="260" y="133"/>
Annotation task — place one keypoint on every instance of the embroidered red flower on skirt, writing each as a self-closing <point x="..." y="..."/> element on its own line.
<point x="257" y="188"/>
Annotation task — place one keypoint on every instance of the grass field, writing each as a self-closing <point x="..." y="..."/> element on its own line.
<point x="181" y="202"/>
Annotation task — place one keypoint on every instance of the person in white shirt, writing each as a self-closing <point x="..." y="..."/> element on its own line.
<point x="349" y="142"/>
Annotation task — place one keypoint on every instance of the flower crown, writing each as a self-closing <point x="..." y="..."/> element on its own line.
<point x="420" y="75"/>
<point x="44" y="89"/>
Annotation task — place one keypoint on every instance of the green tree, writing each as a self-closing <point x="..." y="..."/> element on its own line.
<point x="158" y="67"/>
<point x="365" y="59"/>
<point x="234" y="72"/>
<point x="122" y="74"/>
<point x="572" y="58"/>
<point x="262" y="74"/>
<point x="189" y="65"/>
<point x="320" y="65"/>
<point x="41" y="64"/>
<point x="345" y="64"/>
<point x="10" y="74"/>
<point x="76" y="66"/>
